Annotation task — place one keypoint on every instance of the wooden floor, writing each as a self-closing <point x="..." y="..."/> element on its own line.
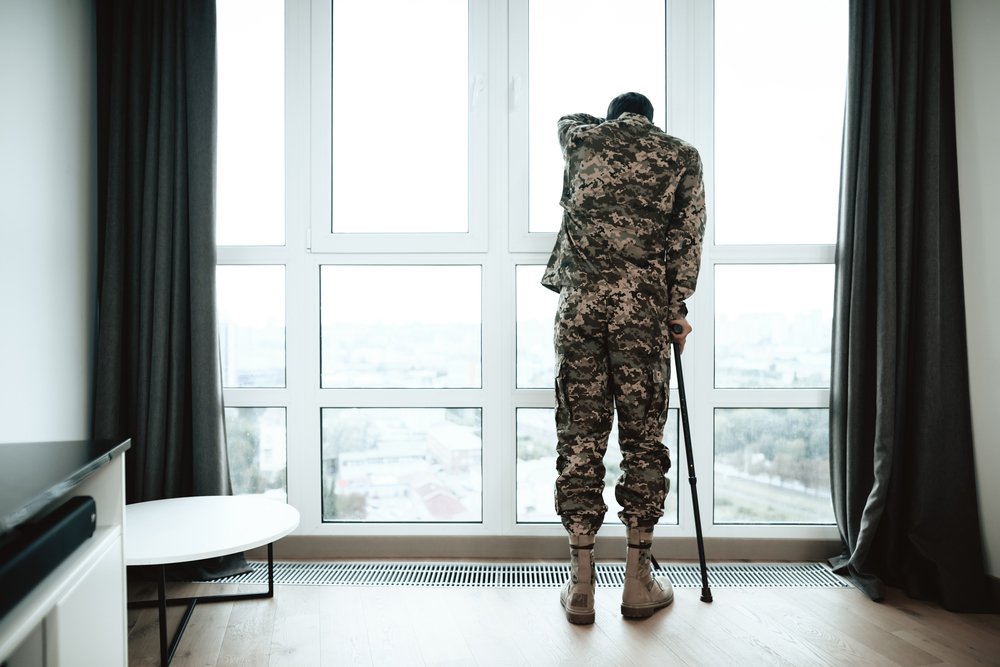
<point x="306" y="626"/>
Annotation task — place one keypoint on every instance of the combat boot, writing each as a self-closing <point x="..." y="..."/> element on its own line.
<point x="643" y="594"/>
<point x="577" y="596"/>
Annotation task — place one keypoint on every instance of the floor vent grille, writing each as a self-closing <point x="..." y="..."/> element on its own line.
<point x="531" y="575"/>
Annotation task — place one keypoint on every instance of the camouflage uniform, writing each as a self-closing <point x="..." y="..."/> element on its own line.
<point x="626" y="257"/>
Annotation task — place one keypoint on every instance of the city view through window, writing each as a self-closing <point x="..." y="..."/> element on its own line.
<point x="412" y="367"/>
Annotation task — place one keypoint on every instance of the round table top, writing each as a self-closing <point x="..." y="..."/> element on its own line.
<point x="176" y="530"/>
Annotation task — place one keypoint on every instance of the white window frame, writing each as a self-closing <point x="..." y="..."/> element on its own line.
<point x="690" y="109"/>
<point x="498" y="240"/>
<point x="321" y="237"/>
<point x="518" y="103"/>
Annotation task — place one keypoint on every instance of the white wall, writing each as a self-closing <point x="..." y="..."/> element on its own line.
<point x="976" y="34"/>
<point x="47" y="218"/>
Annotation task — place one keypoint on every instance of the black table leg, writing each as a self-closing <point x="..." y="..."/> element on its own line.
<point x="161" y="597"/>
<point x="161" y="601"/>
<point x="270" y="570"/>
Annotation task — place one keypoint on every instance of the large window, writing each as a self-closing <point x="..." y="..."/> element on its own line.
<point x="779" y="81"/>
<point x="780" y="76"/>
<point x="577" y="50"/>
<point x="400" y="116"/>
<point x="772" y="329"/>
<point x="251" y="277"/>
<point x="389" y="185"/>
<point x="251" y="315"/>
<point x="401" y="326"/>
<point x="251" y="126"/>
<point x="402" y="464"/>
<point x="771" y="466"/>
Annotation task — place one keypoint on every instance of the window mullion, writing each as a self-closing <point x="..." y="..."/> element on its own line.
<point x="773" y="254"/>
<point x="516" y="110"/>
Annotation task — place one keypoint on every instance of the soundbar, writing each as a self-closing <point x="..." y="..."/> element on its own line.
<point x="33" y="549"/>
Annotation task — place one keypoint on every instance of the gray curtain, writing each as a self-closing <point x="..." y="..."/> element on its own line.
<point x="901" y="455"/>
<point x="158" y="377"/>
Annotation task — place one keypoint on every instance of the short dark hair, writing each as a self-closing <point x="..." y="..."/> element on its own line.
<point x="631" y="103"/>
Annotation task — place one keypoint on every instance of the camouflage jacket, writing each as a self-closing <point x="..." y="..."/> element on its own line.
<point x="633" y="210"/>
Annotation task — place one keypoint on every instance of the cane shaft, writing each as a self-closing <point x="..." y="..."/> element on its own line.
<point x="706" y="593"/>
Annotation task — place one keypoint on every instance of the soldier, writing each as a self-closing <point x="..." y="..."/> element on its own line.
<point x="625" y="259"/>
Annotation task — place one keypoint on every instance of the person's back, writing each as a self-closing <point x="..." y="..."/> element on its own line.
<point x="633" y="208"/>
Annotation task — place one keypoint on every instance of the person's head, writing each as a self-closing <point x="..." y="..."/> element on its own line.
<point x="630" y="103"/>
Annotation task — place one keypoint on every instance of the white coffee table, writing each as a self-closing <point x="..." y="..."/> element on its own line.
<point x="177" y="530"/>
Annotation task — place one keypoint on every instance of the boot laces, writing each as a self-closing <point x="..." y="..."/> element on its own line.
<point x="646" y="551"/>
<point x="647" y="555"/>
<point x="656" y="565"/>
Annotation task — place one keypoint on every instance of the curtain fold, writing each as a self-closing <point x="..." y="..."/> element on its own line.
<point x="158" y="376"/>
<point x="901" y="457"/>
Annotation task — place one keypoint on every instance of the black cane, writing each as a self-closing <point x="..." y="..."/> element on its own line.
<point x="706" y="593"/>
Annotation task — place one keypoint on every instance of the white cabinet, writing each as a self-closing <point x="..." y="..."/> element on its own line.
<point x="76" y="616"/>
<point x="80" y="630"/>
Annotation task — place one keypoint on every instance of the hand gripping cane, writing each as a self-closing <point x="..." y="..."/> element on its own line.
<point x="706" y="593"/>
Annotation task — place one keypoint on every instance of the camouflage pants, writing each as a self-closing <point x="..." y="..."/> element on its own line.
<point x="612" y="354"/>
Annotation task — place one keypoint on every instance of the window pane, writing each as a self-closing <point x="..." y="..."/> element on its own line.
<point x="402" y="464"/>
<point x="400" y="116"/>
<point x="578" y="50"/>
<point x="536" y="467"/>
<point x="251" y="302"/>
<point x="256" y="444"/>
<point x="536" y="309"/>
<point x="772" y="466"/>
<point x="251" y="124"/>
<point x="780" y="76"/>
<point x="401" y="326"/>
<point x="773" y="325"/>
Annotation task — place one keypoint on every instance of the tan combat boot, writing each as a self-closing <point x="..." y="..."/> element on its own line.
<point x="577" y="596"/>
<point x="643" y="593"/>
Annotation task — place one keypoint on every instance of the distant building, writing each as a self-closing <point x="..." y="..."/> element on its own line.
<point x="455" y="447"/>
